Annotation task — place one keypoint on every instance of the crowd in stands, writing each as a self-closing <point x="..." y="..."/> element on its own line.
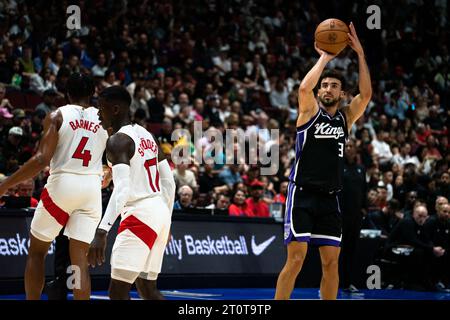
<point x="238" y="64"/>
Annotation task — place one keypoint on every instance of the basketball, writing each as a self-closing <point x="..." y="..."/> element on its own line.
<point x="331" y="35"/>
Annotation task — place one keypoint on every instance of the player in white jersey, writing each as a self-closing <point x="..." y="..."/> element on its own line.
<point x="72" y="144"/>
<point x="144" y="192"/>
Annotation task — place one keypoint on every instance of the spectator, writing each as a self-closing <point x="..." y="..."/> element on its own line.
<point x="184" y="201"/>
<point x="230" y="175"/>
<point x="239" y="206"/>
<point x="184" y="177"/>
<point x="409" y="233"/>
<point x="279" y="96"/>
<point x="404" y="156"/>
<point x="381" y="148"/>
<point x="48" y="103"/>
<point x="12" y="150"/>
<point x="444" y="185"/>
<point x="139" y="101"/>
<point x="438" y="231"/>
<point x="26" y="189"/>
<point x="156" y="107"/>
<point x="255" y="204"/>
<point x="281" y="197"/>
<point x="222" y="203"/>
<point x="99" y="69"/>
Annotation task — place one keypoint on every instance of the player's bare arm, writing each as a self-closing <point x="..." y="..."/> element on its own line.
<point x="44" y="154"/>
<point x="119" y="151"/>
<point x="307" y="103"/>
<point x="359" y="103"/>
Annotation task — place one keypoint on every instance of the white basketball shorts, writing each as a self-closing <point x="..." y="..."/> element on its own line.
<point x="71" y="201"/>
<point x="141" y="238"/>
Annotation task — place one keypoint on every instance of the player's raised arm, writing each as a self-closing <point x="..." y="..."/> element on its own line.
<point x="119" y="151"/>
<point x="359" y="103"/>
<point x="44" y="154"/>
<point x="307" y="103"/>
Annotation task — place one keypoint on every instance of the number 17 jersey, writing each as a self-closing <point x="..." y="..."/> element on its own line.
<point x="319" y="152"/>
<point x="81" y="142"/>
<point x="144" y="174"/>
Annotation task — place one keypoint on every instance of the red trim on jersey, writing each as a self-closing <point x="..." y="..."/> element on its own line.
<point x="140" y="229"/>
<point x="56" y="212"/>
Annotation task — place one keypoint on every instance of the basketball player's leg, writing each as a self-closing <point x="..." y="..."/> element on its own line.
<point x="44" y="229"/>
<point x="78" y="257"/>
<point x="35" y="268"/>
<point x="148" y="290"/>
<point x="146" y="283"/>
<point x="120" y="285"/>
<point x="296" y="253"/>
<point x="327" y="234"/>
<point x="329" y="255"/>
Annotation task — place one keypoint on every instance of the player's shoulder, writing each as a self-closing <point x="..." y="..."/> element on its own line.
<point x="54" y="117"/>
<point x="119" y="140"/>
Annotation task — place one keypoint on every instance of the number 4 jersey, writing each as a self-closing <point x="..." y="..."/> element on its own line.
<point x="319" y="152"/>
<point x="144" y="174"/>
<point x="81" y="142"/>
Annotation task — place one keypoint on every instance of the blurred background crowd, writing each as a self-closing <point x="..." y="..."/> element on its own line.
<point x="237" y="64"/>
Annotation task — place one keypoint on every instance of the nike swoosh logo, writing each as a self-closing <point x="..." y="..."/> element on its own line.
<point x="259" y="248"/>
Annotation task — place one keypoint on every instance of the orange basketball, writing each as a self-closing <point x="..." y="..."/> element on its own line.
<point x="331" y="35"/>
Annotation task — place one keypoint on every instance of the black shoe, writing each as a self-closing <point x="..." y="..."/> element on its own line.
<point x="56" y="289"/>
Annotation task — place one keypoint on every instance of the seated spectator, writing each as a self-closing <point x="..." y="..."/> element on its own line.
<point x="230" y="175"/>
<point x="12" y="150"/>
<point x="43" y="81"/>
<point x="410" y="200"/>
<point x="430" y="151"/>
<point x="256" y="205"/>
<point x="184" y="176"/>
<point x="184" y="201"/>
<point x="381" y="148"/>
<point x="99" y="69"/>
<point x="281" y="197"/>
<point x="208" y="180"/>
<point x="438" y="231"/>
<point x="239" y="206"/>
<point x="279" y="96"/>
<point x="386" y="219"/>
<point x="222" y="203"/>
<point x="405" y="156"/>
<point x="26" y="189"/>
<point x="409" y="234"/>
<point x="156" y="107"/>
<point x="48" y="103"/>
<point x="444" y="185"/>
<point x="139" y="101"/>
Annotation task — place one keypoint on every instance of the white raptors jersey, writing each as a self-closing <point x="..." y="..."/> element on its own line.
<point x="144" y="173"/>
<point x="81" y="142"/>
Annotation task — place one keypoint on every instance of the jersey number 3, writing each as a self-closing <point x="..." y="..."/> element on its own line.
<point x="341" y="149"/>
<point x="148" y="164"/>
<point x="81" y="153"/>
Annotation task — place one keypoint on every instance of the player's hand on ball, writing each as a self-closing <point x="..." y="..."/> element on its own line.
<point x="353" y="40"/>
<point x="322" y="53"/>
<point x="96" y="255"/>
